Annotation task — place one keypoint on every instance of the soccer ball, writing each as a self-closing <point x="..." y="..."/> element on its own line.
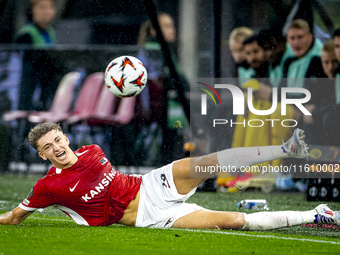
<point x="126" y="76"/>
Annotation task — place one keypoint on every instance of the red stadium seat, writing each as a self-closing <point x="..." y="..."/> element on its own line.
<point x="14" y="115"/>
<point x="88" y="98"/>
<point x="65" y="89"/>
<point x="108" y="112"/>
<point x="61" y="102"/>
<point x="106" y="103"/>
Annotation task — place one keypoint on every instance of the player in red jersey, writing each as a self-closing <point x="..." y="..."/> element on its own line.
<point x="84" y="185"/>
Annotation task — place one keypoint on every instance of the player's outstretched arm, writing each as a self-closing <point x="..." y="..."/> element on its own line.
<point x="14" y="217"/>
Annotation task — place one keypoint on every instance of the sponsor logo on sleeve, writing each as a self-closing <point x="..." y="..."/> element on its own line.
<point x="103" y="161"/>
<point x="26" y="202"/>
<point x="30" y="195"/>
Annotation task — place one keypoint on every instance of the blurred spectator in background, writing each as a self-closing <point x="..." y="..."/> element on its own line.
<point x="262" y="61"/>
<point x="235" y="42"/>
<point x="255" y="59"/>
<point x="153" y="59"/>
<point x="38" y="31"/>
<point x="323" y="97"/>
<point x="246" y="135"/>
<point x="258" y="68"/>
<point x="167" y="25"/>
<point x="337" y="54"/>
<point x="331" y="119"/>
<point x="328" y="59"/>
<point x="276" y="52"/>
<point x="38" y="67"/>
<point x="307" y="50"/>
<point x="148" y="38"/>
<point x="236" y="39"/>
<point x="159" y="96"/>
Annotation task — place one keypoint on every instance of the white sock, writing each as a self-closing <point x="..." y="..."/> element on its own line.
<point x="247" y="156"/>
<point x="274" y="220"/>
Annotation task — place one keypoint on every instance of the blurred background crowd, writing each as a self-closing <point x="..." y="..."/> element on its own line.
<point x="53" y="54"/>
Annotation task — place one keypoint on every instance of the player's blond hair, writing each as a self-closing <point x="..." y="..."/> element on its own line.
<point x="328" y="46"/>
<point x="300" y="24"/>
<point x="239" y="34"/>
<point x="40" y="130"/>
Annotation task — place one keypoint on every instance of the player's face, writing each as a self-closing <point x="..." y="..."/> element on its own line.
<point x="237" y="51"/>
<point x="43" y="12"/>
<point x="337" y="47"/>
<point x="300" y="41"/>
<point x="329" y="63"/>
<point x="54" y="146"/>
<point x="254" y="54"/>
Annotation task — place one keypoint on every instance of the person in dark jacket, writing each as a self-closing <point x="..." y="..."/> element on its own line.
<point x="38" y="67"/>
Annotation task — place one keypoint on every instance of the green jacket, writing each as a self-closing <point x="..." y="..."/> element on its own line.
<point x="299" y="68"/>
<point x="36" y="36"/>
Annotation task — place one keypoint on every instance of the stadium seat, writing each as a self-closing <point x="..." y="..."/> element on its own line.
<point x="110" y="111"/>
<point x="88" y="98"/>
<point x="14" y="115"/>
<point x="62" y="100"/>
<point x="65" y="88"/>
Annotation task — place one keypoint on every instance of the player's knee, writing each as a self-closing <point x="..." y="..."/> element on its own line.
<point x="237" y="221"/>
<point x="181" y="167"/>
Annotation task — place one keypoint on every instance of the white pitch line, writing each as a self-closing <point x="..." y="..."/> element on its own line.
<point x="226" y="233"/>
<point x="259" y="236"/>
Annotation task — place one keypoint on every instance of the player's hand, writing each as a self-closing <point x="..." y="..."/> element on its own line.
<point x="14" y="217"/>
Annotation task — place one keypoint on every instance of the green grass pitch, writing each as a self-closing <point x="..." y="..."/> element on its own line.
<point x="51" y="232"/>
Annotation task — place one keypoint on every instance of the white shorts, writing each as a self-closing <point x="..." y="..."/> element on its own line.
<point x="160" y="205"/>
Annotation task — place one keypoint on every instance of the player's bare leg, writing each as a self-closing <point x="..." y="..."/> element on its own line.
<point x="322" y="214"/>
<point x="236" y="157"/>
<point x="294" y="147"/>
<point x="211" y="219"/>
<point x="181" y="172"/>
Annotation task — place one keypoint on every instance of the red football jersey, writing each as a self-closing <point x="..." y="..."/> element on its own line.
<point x="91" y="192"/>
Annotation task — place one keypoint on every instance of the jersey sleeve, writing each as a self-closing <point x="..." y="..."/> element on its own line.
<point x="39" y="197"/>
